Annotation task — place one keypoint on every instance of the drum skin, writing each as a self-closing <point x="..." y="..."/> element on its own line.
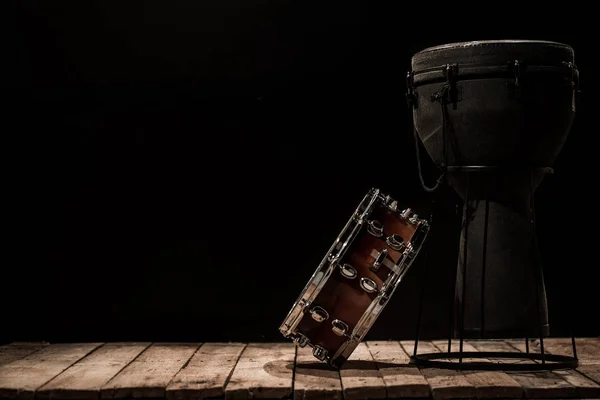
<point x="343" y="298"/>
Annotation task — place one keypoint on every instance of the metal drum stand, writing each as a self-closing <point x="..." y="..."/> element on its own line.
<point x="442" y="359"/>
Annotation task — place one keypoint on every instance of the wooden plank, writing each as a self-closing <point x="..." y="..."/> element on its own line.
<point x="17" y="350"/>
<point x="264" y="371"/>
<point x="584" y="386"/>
<point x="149" y="374"/>
<point x="588" y="349"/>
<point x="444" y="383"/>
<point x="84" y="379"/>
<point x="315" y="380"/>
<point x="401" y="379"/>
<point x="545" y="384"/>
<point x="21" y="378"/>
<point x="207" y="373"/>
<point x="488" y="384"/>
<point x="360" y="377"/>
<point x="592" y="371"/>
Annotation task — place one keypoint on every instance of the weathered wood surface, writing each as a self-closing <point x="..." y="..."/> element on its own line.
<point x="583" y="386"/>
<point x="361" y="379"/>
<point x="15" y="351"/>
<point x="264" y="371"/>
<point x="23" y="377"/>
<point x="84" y="379"/>
<point x="313" y="379"/>
<point x="189" y="371"/>
<point x="444" y="383"/>
<point x="149" y="374"/>
<point x="401" y="379"/>
<point x="488" y="384"/>
<point x="206" y="373"/>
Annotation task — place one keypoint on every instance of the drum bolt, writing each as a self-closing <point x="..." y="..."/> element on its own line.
<point x="301" y="340"/>
<point x="375" y="228"/>
<point x="395" y="242"/>
<point x="319" y="314"/>
<point x="320" y="352"/>
<point x="408" y="213"/>
<point x="368" y="285"/>
<point x="348" y="271"/>
<point x="339" y="327"/>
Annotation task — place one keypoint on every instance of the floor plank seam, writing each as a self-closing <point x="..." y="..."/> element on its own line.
<point x="122" y="369"/>
<point x="226" y="383"/>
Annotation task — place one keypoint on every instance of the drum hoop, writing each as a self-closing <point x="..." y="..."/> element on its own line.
<point x="477" y="71"/>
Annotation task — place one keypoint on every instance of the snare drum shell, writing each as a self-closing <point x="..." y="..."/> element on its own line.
<point x="345" y="299"/>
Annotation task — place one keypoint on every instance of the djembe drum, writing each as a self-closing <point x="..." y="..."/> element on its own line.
<point x="356" y="278"/>
<point x="493" y="115"/>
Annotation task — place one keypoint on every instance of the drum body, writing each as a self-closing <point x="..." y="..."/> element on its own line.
<point x="497" y="114"/>
<point x="355" y="279"/>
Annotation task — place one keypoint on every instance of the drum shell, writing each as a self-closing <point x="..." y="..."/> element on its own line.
<point x="343" y="298"/>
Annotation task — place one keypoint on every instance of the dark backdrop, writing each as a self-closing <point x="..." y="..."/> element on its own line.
<point x="176" y="170"/>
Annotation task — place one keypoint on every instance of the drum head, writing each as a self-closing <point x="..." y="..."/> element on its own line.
<point x="493" y="52"/>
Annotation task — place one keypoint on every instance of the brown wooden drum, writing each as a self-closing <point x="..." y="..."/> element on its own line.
<point x="356" y="278"/>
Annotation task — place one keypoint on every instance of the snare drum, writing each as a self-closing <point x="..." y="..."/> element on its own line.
<point x="356" y="278"/>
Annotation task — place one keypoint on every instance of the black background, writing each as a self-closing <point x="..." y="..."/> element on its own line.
<point x="176" y="170"/>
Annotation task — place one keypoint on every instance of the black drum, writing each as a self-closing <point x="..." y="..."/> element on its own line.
<point x="493" y="115"/>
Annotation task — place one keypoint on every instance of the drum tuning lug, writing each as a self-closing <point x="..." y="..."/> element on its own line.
<point x="320" y="352"/>
<point x="368" y="285"/>
<point x="375" y="228"/>
<point x="319" y="314"/>
<point x="339" y="327"/>
<point x="391" y="204"/>
<point x="301" y="340"/>
<point x="348" y="271"/>
<point x="379" y="260"/>
<point x="395" y="242"/>
<point x="406" y="214"/>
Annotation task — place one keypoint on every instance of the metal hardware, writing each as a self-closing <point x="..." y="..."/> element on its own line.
<point x="414" y="219"/>
<point x="304" y="304"/>
<point x="375" y="228"/>
<point x="348" y="271"/>
<point x="449" y="92"/>
<point x="386" y="293"/>
<point x="517" y="78"/>
<point x="368" y="285"/>
<point x="339" y="327"/>
<point x="301" y="340"/>
<point x="319" y="314"/>
<point x="574" y="83"/>
<point x="379" y="260"/>
<point x="411" y="98"/>
<point x="395" y="242"/>
<point x="391" y="204"/>
<point x="406" y="214"/>
<point x="320" y="352"/>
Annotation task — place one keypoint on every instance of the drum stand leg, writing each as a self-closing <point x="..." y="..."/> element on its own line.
<point x="539" y="278"/>
<point x="422" y="294"/>
<point x="548" y="361"/>
<point x="421" y="298"/>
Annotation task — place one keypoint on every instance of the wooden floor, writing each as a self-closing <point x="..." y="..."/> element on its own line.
<point x="376" y="370"/>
